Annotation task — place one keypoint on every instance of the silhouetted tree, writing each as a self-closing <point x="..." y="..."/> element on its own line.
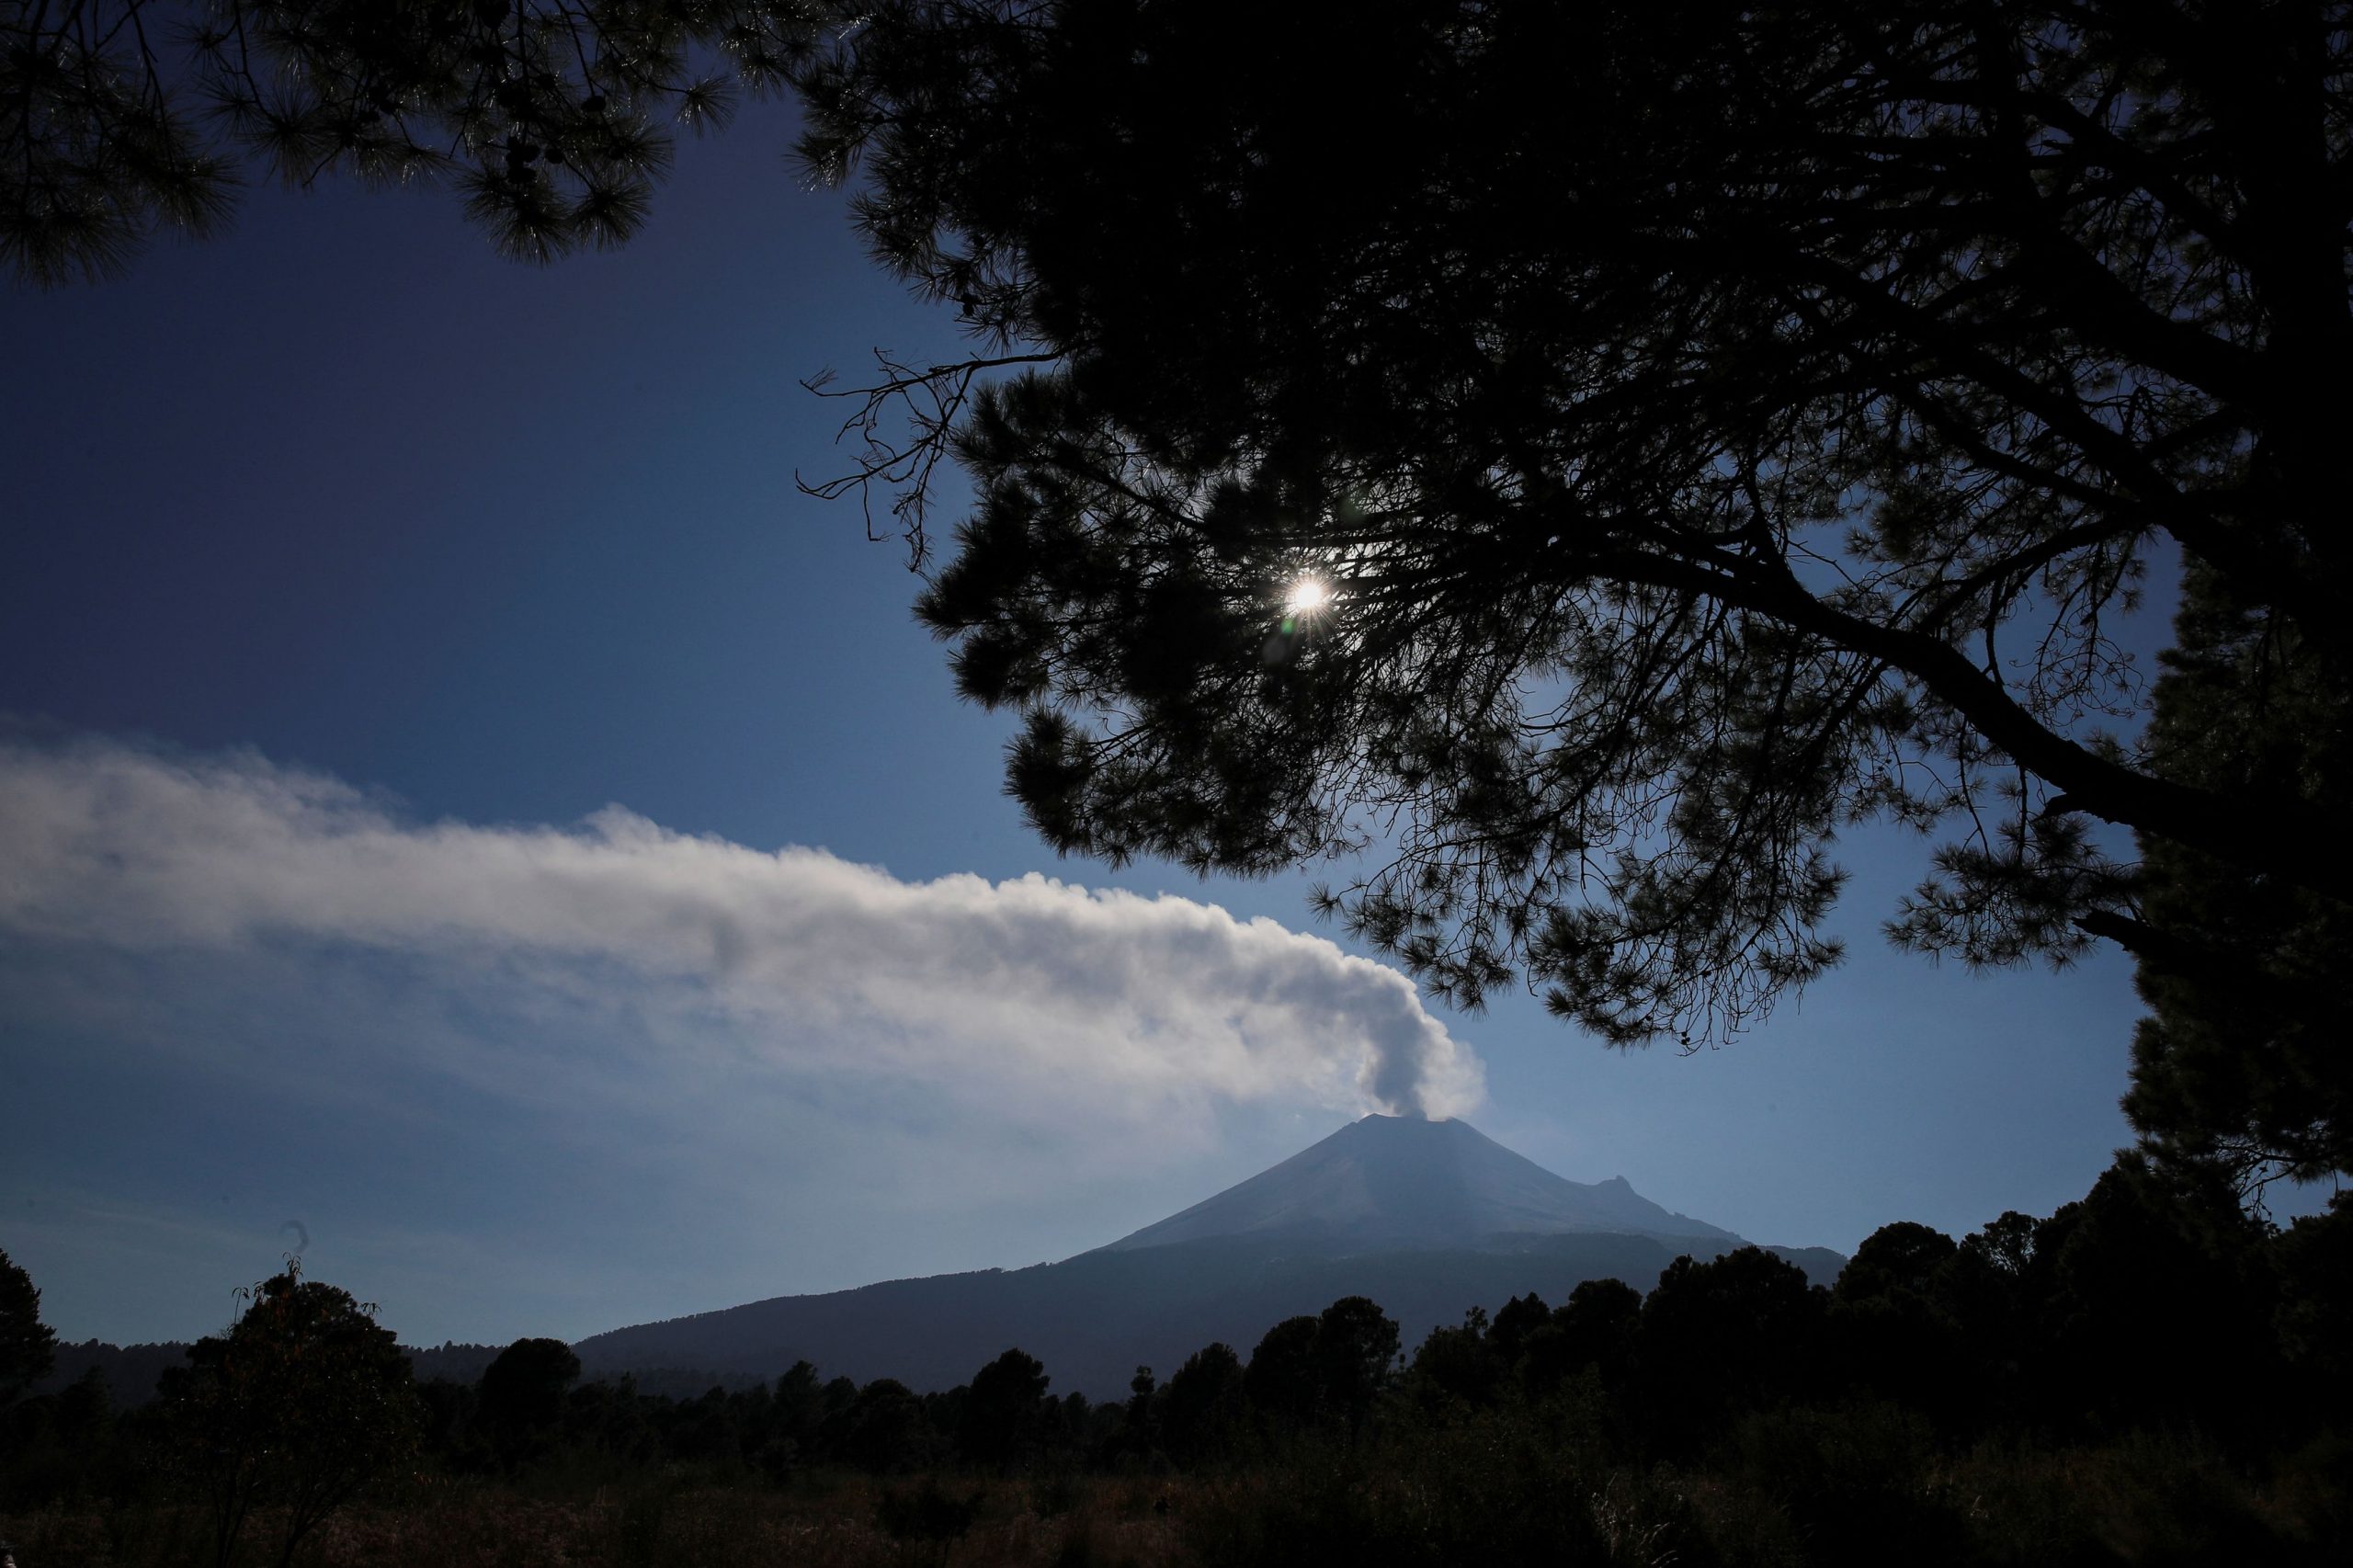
<point x="1890" y="1327"/>
<point x="1141" y="1388"/>
<point x="1994" y="1286"/>
<point x="1736" y="1333"/>
<point x="2159" y="1303"/>
<point x="1004" y="1411"/>
<point x="61" y="1448"/>
<point x="553" y="117"/>
<point x="704" y="1430"/>
<point x="1356" y="1352"/>
<point x="522" y="1394"/>
<point x="1205" y="1409"/>
<point x="2314" y="1257"/>
<point x="448" y="1423"/>
<point x="1594" y="1327"/>
<point x="1070" y="1419"/>
<point x="1283" y="1379"/>
<point x="837" y="1396"/>
<point x="1457" y="1363"/>
<point x="1901" y="1256"/>
<point x="1514" y="1321"/>
<point x="1331" y="1367"/>
<point x="2241" y="1062"/>
<point x="1607" y="449"/>
<point x="28" y="1346"/>
<point x="798" y="1407"/>
<point x="2007" y="1244"/>
<point x="299" y="1404"/>
<point x="85" y="1408"/>
<point x="882" y="1429"/>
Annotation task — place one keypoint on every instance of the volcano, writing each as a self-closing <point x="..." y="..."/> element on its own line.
<point x="1426" y="1218"/>
<point x="1397" y="1181"/>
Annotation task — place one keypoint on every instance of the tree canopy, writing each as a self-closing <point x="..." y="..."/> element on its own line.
<point x="2241" y="1061"/>
<point x="522" y="1394"/>
<point x="28" y="1346"/>
<point x="300" y="1402"/>
<point x="551" y="117"/>
<point x="1005" y="1408"/>
<point x="1590" y="456"/>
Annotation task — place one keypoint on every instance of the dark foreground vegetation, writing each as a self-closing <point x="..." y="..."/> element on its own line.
<point x="2148" y="1376"/>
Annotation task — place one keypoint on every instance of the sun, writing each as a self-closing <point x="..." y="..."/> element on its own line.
<point x="1307" y="594"/>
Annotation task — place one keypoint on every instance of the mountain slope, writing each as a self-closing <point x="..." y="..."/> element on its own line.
<point x="1095" y="1318"/>
<point x="1429" y="1219"/>
<point x="1400" y="1181"/>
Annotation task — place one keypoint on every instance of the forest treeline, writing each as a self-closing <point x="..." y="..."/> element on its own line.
<point x="2150" y="1374"/>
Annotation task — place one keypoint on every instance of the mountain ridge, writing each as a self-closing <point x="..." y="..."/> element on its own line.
<point x="1429" y="1219"/>
<point x="1405" y="1180"/>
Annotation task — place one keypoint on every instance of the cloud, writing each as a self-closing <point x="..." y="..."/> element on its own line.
<point x="1030" y="986"/>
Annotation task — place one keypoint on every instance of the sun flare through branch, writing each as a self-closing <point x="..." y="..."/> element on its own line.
<point x="1307" y="594"/>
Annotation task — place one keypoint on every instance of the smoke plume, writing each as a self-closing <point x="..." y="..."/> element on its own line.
<point x="828" y="964"/>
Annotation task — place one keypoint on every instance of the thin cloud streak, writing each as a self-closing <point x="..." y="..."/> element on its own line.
<point x="1031" y="986"/>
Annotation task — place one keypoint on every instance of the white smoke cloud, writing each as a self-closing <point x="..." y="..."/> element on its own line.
<point x="1105" y="994"/>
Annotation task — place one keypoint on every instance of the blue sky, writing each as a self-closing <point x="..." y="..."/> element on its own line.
<point x="346" y="571"/>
